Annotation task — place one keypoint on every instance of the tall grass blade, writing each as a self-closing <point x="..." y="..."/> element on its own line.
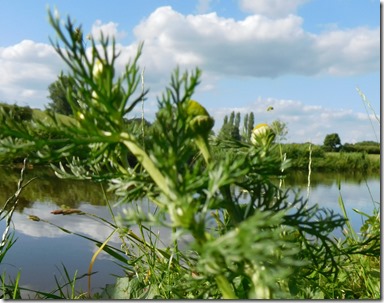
<point x="309" y="171"/>
<point x="344" y="211"/>
<point x="16" y="290"/>
<point x="94" y="259"/>
<point x="4" y="213"/>
<point x="142" y="105"/>
<point x="367" y="105"/>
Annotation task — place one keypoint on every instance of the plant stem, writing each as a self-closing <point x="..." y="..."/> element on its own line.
<point x="147" y="163"/>
<point x="225" y="287"/>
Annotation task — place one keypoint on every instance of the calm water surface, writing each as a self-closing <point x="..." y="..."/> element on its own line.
<point x="41" y="249"/>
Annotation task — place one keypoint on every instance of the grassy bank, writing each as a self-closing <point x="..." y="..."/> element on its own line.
<point x="301" y="154"/>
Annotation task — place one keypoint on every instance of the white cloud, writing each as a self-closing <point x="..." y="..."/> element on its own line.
<point x="26" y="70"/>
<point x="256" y="46"/>
<point x="203" y="6"/>
<point x="348" y="52"/>
<point x="308" y="123"/>
<point x="108" y="30"/>
<point x="271" y="8"/>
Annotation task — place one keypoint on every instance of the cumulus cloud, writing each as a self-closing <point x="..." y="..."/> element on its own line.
<point x="26" y="70"/>
<point x="257" y="46"/>
<point x="308" y="123"/>
<point x="109" y="29"/>
<point x="203" y="6"/>
<point x="348" y="52"/>
<point x="271" y="8"/>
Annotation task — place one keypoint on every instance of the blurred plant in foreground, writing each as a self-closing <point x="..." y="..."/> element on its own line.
<point x="260" y="246"/>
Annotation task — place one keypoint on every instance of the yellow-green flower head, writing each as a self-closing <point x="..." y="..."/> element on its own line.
<point x="102" y="70"/>
<point x="194" y="109"/>
<point x="261" y="134"/>
<point x="200" y="120"/>
<point x="98" y="68"/>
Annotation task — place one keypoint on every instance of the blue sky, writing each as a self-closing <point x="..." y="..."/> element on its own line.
<point x="303" y="57"/>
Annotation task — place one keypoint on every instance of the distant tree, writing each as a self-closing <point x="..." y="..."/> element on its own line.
<point x="251" y="124"/>
<point x="245" y="128"/>
<point x="237" y="120"/>
<point x="332" y="142"/>
<point x="232" y="118"/>
<point x="369" y="147"/>
<point x="229" y="130"/>
<point x="225" y="120"/>
<point x="58" y="95"/>
<point x="18" y="113"/>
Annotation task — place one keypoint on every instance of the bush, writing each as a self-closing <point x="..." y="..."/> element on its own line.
<point x="18" y="113"/>
<point x="368" y="147"/>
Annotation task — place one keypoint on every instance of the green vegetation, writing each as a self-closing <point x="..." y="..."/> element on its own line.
<point x="267" y="245"/>
<point x="368" y="147"/>
<point x="323" y="161"/>
<point x="332" y="143"/>
<point x="58" y="95"/>
<point x="332" y="156"/>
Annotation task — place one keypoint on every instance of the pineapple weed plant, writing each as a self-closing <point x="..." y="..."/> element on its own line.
<point x="267" y="244"/>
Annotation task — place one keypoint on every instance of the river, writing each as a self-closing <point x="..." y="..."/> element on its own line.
<point x="42" y="249"/>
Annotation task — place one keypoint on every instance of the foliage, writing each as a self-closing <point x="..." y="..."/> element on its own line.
<point x="369" y="147"/>
<point x="250" y="125"/>
<point x="329" y="161"/>
<point x="230" y="129"/>
<point x="58" y="94"/>
<point x="359" y="276"/>
<point x="266" y="245"/>
<point x="332" y="142"/>
<point x="18" y="113"/>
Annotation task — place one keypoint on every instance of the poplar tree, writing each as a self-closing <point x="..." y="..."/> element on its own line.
<point x="251" y="122"/>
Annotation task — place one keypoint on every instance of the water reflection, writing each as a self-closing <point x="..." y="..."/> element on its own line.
<point x="48" y="188"/>
<point x="41" y="248"/>
<point x="300" y="179"/>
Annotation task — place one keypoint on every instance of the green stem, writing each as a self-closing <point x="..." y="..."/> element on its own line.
<point x="147" y="163"/>
<point x="204" y="148"/>
<point x="225" y="287"/>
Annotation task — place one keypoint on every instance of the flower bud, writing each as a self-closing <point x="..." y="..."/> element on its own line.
<point x="262" y="134"/>
<point x="201" y="122"/>
<point x="97" y="69"/>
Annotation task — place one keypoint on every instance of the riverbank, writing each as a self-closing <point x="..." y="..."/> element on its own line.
<point x="303" y="156"/>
